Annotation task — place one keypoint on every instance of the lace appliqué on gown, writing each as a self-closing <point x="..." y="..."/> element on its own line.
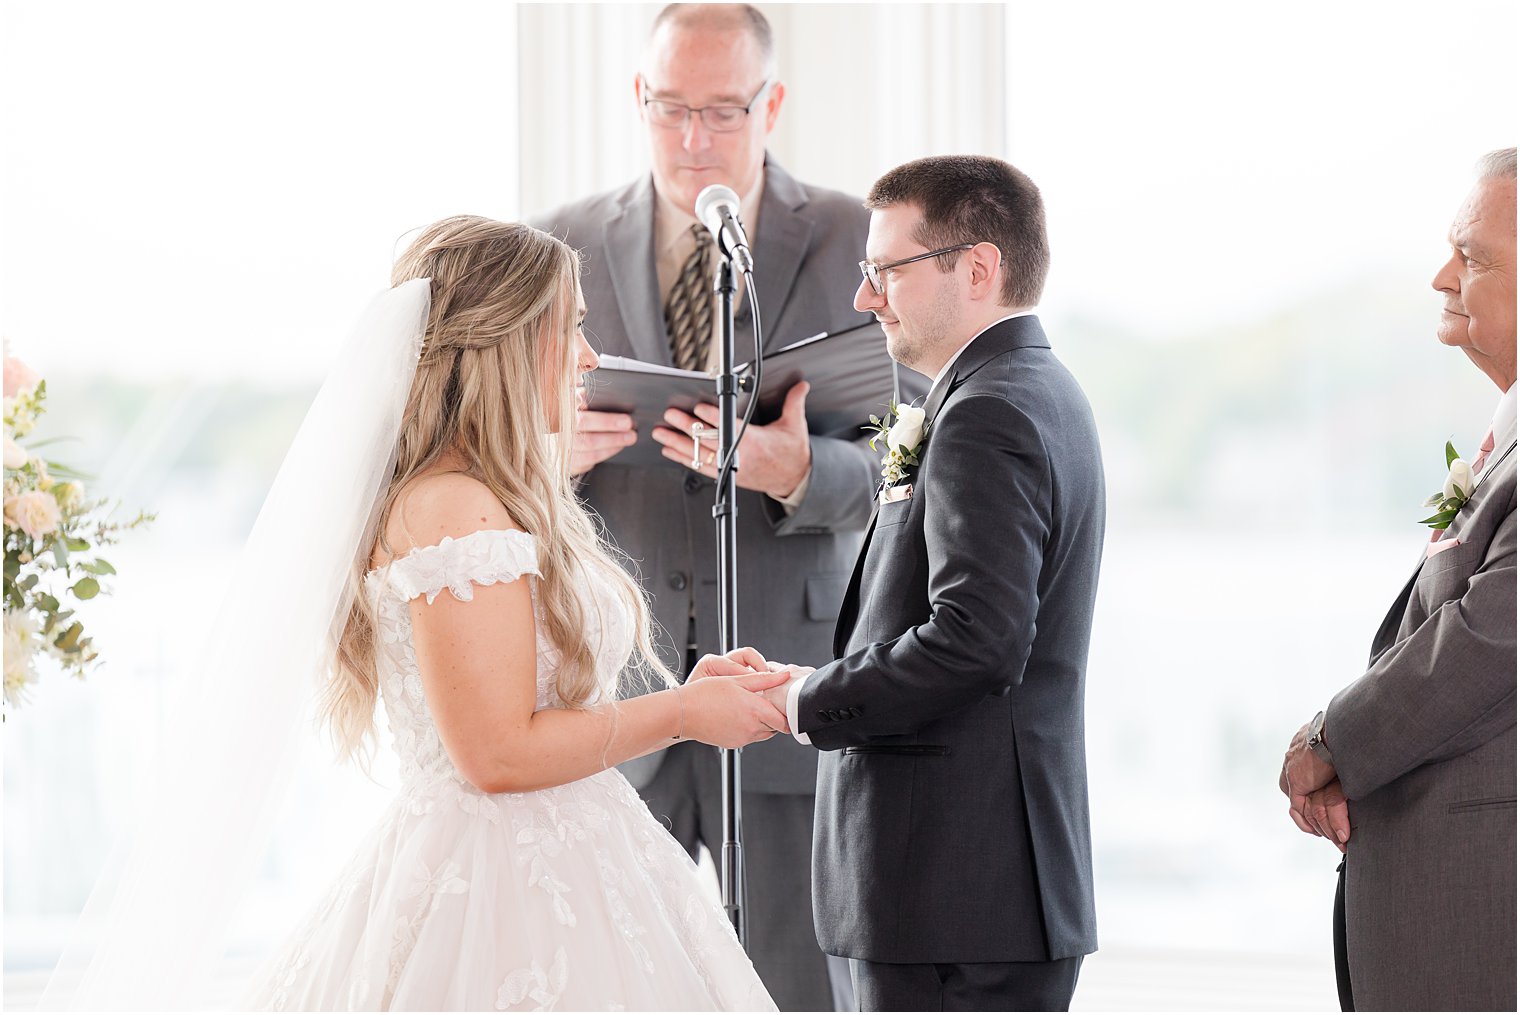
<point x="570" y="898"/>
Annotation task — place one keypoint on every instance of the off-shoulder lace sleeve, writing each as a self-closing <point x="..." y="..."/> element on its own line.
<point x="481" y="558"/>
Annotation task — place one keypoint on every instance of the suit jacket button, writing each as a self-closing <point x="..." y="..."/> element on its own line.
<point x="676" y="580"/>
<point x="693" y="482"/>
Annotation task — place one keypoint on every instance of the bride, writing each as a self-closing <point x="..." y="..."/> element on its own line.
<point x="516" y="868"/>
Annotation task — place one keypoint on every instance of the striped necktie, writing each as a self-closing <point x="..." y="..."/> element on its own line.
<point x="688" y="307"/>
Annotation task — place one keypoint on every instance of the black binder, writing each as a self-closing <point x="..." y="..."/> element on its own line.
<point x="850" y="373"/>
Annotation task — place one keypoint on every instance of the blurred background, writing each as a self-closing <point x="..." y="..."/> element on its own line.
<point x="1246" y="204"/>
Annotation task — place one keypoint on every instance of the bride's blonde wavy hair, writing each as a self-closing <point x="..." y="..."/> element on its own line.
<point x="500" y="343"/>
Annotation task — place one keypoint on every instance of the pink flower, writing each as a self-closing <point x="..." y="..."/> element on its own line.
<point x="34" y="512"/>
<point x="19" y="377"/>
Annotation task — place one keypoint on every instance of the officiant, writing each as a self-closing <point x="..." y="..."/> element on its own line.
<point x="708" y="96"/>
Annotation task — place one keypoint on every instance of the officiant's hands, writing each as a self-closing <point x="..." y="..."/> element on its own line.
<point x="773" y="459"/>
<point x="598" y="435"/>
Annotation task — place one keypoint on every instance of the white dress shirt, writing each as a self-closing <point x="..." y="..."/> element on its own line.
<point x="794" y="689"/>
<point x="1504" y="427"/>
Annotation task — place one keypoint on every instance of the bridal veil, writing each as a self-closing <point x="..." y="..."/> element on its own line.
<point x="154" y="926"/>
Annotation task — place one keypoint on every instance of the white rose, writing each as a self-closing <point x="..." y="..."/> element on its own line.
<point x="15" y="457"/>
<point x="1459" y="481"/>
<point x="908" y="430"/>
<point x="34" y="512"/>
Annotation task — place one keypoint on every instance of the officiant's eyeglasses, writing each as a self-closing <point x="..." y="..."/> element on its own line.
<point x="718" y="119"/>
<point x="872" y="271"/>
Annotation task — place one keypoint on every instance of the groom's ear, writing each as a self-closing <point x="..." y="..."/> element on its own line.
<point x="985" y="262"/>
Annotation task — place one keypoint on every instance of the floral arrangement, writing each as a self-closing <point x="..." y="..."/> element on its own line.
<point x="902" y="437"/>
<point x="51" y="528"/>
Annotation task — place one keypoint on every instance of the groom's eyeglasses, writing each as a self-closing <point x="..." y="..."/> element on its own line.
<point x="872" y="271"/>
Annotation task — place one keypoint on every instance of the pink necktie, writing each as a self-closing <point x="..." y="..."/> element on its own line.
<point x="1483" y="451"/>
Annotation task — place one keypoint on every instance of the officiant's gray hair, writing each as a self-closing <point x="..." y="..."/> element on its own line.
<point x="1497" y="165"/>
<point x="744" y="16"/>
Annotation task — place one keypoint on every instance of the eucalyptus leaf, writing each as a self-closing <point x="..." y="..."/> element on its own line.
<point x="28" y="583"/>
<point x="68" y="641"/>
<point x="1451" y="454"/>
<point x="99" y="566"/>
<point x="47" y="603"/>
<point x="86" y="588"/>
<point x="76" y="544"/>
<point x="12" y="565"/>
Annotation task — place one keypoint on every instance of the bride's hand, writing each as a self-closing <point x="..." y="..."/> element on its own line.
<point x="732" y="664"/>
<point x="727" y="711"/>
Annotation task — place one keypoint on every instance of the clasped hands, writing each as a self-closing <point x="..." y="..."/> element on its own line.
<point x="737" y="698"/>
<point x="1316" y="802"/>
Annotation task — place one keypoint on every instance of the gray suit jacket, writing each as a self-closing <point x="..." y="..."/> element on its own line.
<point x="1424" y="744"/>
<point x="952" y="818"/>
<point x="792" y="569"/>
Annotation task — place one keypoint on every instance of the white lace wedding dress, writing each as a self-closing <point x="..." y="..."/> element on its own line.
<point x="572" y="898"/>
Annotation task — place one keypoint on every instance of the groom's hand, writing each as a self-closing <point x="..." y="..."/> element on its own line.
<point x="779" y="694"/>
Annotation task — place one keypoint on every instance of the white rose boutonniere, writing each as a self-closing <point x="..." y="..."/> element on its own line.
<point x="1455" y="492"/>
<point x="903" y="431"/>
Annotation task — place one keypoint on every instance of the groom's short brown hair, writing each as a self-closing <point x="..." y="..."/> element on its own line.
<point x="975" y="199"/>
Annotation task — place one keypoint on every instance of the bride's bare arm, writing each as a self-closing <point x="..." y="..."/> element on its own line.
<point x="478" y="662"/>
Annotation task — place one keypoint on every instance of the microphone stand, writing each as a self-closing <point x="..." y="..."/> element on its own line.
<point x="725" y="517"/>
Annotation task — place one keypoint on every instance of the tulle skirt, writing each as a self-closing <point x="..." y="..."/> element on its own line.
<point x="572" y="898"/>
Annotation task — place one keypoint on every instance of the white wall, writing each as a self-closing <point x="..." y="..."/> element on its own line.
<point x="868" y="87"/>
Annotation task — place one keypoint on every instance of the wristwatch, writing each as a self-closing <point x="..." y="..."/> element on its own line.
<point x="1316" y="740"/>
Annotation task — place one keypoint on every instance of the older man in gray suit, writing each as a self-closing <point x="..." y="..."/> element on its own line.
<point x="953" y="861"/>
<point x="1410" y="769"/>
<point x="709" y="97"/>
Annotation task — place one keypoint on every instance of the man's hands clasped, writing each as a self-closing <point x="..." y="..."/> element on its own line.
<point x="1316" y="802"/>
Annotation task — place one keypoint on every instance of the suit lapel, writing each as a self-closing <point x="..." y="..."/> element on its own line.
<point x="849" y="610"/>
<point x="781" y="243"/>
<point x="628" y="253"/>
<point x="1389" y="628"/>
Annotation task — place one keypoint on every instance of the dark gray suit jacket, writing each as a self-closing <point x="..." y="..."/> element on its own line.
<point x="952" y="816"/>
<point x="1424" y="744"/>
<point x="792" y="569"/>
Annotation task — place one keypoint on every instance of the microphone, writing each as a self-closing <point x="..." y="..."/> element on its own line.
<point x="718" y="210"/>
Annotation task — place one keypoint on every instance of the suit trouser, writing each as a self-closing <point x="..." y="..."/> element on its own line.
<point x="1338" y="941"/>
<point x="979" y="986"/>
<point x="686" y="794"/>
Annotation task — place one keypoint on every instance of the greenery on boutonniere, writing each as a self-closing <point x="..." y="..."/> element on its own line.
<point x="903" y="431"/>
<point x="1455" y="492"/>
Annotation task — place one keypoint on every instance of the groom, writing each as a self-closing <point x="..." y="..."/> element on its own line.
<point x="952" y="857"/>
